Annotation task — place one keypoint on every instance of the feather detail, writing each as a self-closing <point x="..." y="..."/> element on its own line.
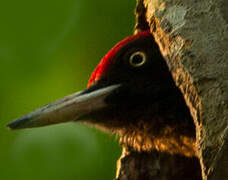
<point x="106" y="61"/>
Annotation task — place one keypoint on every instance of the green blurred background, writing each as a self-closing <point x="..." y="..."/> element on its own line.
<point x="48" y="48"/>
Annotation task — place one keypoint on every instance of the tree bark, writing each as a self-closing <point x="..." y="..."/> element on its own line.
<point x="193" y="38"/>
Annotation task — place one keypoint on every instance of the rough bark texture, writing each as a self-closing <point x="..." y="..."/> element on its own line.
<point x="193" y="38"/>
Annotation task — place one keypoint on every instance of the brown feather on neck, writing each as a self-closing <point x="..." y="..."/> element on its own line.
<point x="178" y="139"/>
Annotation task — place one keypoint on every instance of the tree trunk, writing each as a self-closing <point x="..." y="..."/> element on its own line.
<point x="193" y="38"/>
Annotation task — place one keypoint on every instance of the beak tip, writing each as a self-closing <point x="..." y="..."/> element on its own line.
<point x="10" y="126"/>
<point x="17" y="124"/>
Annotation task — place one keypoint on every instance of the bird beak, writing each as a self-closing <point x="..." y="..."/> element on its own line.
<point x="67" y="109"/>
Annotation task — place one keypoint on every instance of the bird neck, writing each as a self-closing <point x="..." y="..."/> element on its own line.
<point x="169" y="128"/>
<point x="170" y="142"/>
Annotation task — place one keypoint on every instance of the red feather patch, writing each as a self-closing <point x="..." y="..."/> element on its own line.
<point x="107" y="60"/>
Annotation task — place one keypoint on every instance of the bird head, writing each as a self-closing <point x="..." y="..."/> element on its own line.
<point x="131" y="92"/>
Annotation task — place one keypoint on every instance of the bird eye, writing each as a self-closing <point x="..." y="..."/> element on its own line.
<point x="137" y="59"/>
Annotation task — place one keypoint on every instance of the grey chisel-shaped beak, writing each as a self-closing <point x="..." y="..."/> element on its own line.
<point x="66" y="109"/>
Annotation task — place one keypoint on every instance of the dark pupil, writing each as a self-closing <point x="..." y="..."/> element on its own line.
<point x="137" y="59"/>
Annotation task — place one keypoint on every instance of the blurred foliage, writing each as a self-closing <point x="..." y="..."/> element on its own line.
<point x="48" y="48"/>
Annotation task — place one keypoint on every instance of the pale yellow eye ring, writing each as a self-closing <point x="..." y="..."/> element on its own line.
<point x="137" y="59"/>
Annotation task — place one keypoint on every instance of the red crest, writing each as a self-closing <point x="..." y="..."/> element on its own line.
<point x="107" y="60"/>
